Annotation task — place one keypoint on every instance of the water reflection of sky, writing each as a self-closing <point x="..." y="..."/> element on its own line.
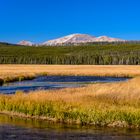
<point x="54" y="82"/>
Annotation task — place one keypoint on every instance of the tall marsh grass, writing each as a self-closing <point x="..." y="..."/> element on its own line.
<point x="110" y="104"/>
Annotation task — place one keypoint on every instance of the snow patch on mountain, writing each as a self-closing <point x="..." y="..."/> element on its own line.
<point x="107" y="39"/>
<point x="80" y="38"/>
<point x="73" y="38"/>
<point x="25" y="43"/>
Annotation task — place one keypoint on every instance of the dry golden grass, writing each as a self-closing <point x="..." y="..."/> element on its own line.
<point x="101" y="104"/>
<point x="121" y="92"/>
<point x="12" y="71"/>
<point x="129" y="89"/>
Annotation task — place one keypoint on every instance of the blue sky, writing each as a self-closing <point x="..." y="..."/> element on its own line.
<point x="41" y="20"/>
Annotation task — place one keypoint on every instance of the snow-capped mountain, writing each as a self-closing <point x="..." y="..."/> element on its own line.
<point x="80" y="38"/>
<point x="73" y="38"/>
<point x="107" y="39"/>
<point x="25" y="43"/>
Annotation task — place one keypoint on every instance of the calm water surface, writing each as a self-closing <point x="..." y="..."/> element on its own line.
<point x="55" y="82"/>
<point x="12" y="128"/>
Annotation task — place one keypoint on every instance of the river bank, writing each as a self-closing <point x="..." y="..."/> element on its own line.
<point x="9" y="71"/>
<point x="12" y="128"/>
<point x="106" y="104"/>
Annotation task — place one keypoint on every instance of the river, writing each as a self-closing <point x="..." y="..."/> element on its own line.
<point x="55" y="82"/>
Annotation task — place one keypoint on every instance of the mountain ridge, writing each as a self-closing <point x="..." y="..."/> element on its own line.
<point x="80" y="38"/>
<point x="73" y="39"/>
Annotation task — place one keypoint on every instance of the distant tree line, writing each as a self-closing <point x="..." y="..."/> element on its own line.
<point x="73" y="60"/>
<point x="126" y="53"/>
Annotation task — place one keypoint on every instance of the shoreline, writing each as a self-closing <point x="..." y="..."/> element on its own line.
<point x="117" y="124"/>
<point x="15" y="79"/>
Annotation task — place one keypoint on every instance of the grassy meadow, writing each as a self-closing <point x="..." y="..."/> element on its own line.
<point x="16" y="71"/>
<point x="106" y="104"/>
<point x="9" y="73"/>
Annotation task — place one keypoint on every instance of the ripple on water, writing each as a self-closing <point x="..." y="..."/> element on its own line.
<point x="55" y="82"/>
